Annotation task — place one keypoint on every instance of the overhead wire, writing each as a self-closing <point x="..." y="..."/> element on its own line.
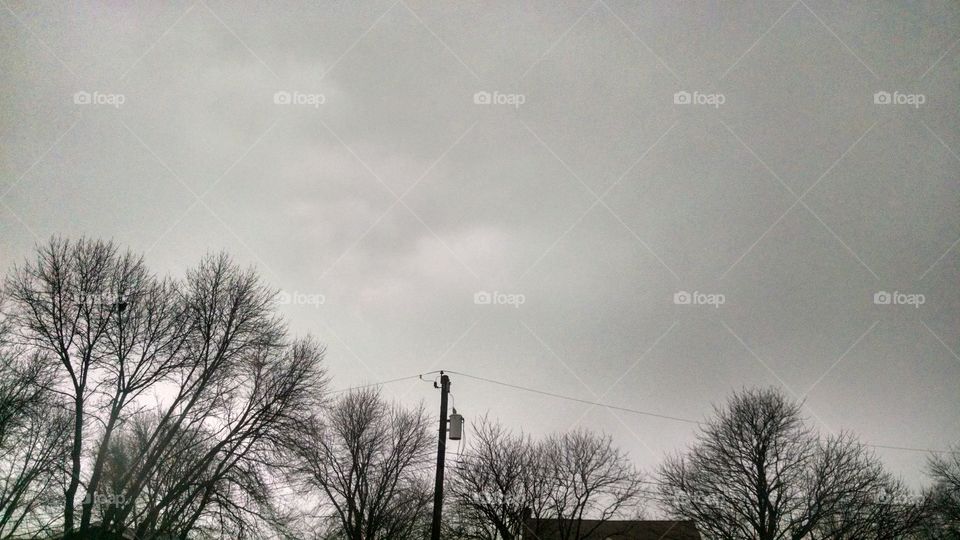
<point x="615" y="407"/>
<point x="381" y="383"/>
<point x="578" y="400"/>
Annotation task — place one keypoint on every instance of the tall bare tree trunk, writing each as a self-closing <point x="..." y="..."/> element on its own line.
<point x="94" y="483"/>
<point x="74" y="483"/>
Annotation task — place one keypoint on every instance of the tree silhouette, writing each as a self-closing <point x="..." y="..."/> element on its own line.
<point x="757" y="471"/>
<point x="366" y="457"/>
<point x="205" y="359"/>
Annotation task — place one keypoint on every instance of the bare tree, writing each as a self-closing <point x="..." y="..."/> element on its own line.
<point x="576" y="480"/>
<point x="758" y="472"/>
<point x="866" y="501"/>
<point x="34" y="429"/>
<point x="494" y="484"/>
<point x="591" y="479"/>
<point x="59" y="310"/>
<point x="205" y="358"/>
<point x="241" y="389"/>
<point x="142" y="346"/>
<point x="238" y="504"/>
<point x="366" y="458"/>
<point x="943" y="497"/>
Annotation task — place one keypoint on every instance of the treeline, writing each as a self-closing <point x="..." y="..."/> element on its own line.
<point x="133" y="404"/>
<point x="757" y="471"/>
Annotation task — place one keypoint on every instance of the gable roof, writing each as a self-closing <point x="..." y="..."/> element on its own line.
<point x="546" y="529"/>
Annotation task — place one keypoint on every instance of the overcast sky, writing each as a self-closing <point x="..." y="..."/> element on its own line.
<point x="382" y="193"/>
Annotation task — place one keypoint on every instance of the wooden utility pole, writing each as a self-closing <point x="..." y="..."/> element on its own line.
<point x="441" y="454"/>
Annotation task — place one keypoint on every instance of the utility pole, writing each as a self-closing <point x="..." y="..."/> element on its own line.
<point x="441" y="454"/>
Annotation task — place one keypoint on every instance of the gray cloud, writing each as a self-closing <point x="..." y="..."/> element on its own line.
<point x="597" y="199"/>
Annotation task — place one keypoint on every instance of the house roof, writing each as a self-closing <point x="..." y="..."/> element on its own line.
<point x="546" y="529"/>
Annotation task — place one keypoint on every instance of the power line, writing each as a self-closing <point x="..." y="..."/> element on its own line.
<point x="578" y="400"/>
<point x="398" y="379"/>
<point x="614" y="407"/>
<point x="667" y="417"/>
<point x="910" y="449"/>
